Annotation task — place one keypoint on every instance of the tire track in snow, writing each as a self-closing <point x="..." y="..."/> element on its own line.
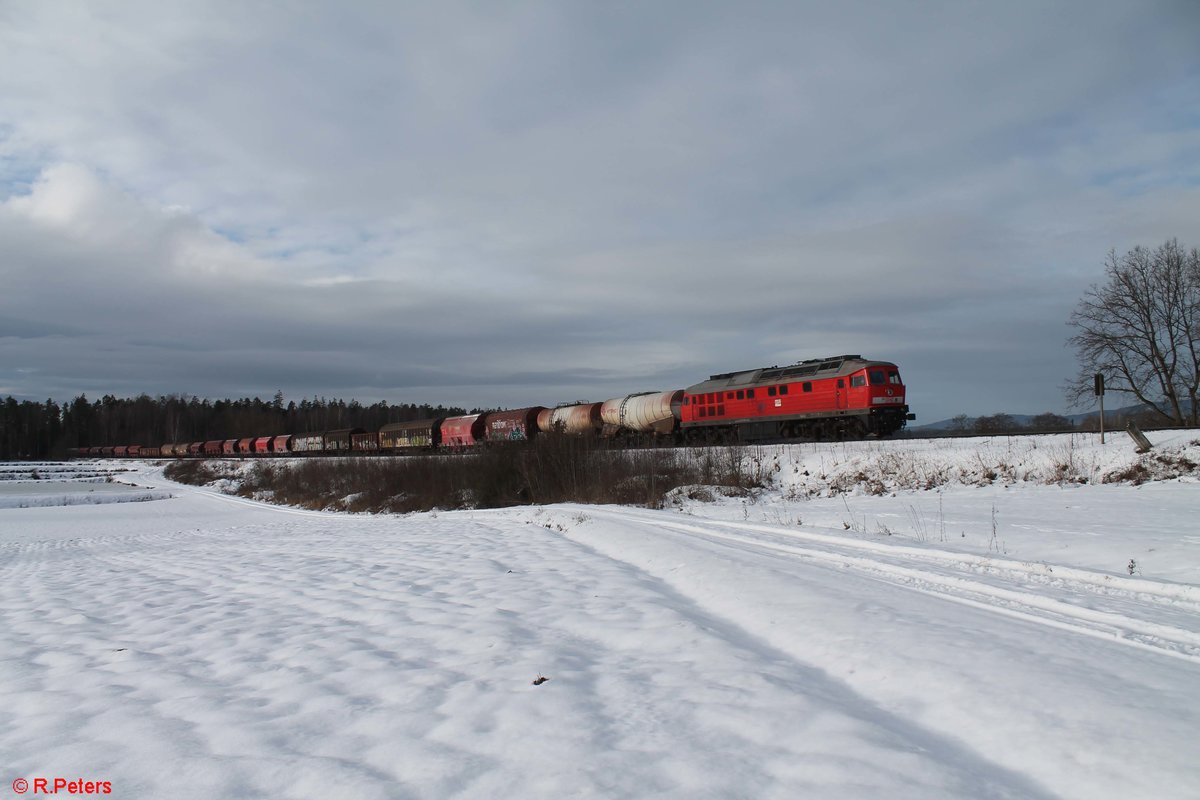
<point x="973" y="581"/>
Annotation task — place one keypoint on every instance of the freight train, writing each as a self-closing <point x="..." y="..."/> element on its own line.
<point x="842" y="397"/>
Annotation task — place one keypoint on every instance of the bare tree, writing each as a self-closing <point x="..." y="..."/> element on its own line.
<point x="1141" y="330"/>
<point x="1049" y="421"/>
<point x="996" y="423"/>
<point x="961" y="424"/>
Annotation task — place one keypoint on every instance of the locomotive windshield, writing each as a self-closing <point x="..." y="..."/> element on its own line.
<point x="878" y="377"/>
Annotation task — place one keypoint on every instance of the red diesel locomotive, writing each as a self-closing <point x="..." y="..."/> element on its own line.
<point x="844" y="397"/>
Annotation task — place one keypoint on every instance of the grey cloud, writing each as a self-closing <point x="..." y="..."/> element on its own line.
<point x="572" y="200"/>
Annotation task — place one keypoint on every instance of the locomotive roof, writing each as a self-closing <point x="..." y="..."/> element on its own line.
<point x="831" y="367"/>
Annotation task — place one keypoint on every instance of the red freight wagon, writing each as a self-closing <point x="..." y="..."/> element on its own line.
<point x="121" y="452"/>
<point x="281" y="444"/>
<point x="459" y="432"/>
<point x="149" y="452"/>
<point x="512" y="426"/>
<point x="195" y="448"/>
<point x="134" y="450"/>
<point x="245" y="446"/>
<point x="229" y="447"/>
<point x="213" y="447"/>
<point x="262" y="445"/>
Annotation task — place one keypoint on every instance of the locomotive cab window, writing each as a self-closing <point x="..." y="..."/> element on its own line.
<point x="807" y="386"/>
<point x="877" y="377"/>
<point x="858" y="380"/>
<point x="783" y="389"/>
<point x="894" y="377"/>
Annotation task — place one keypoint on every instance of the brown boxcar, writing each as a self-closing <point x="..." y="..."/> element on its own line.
<point x="281" y="444"/>
<point x="512" y="426"/>
<point x="341" y="440"/>
<point x="133" y="451"/>
<point x="577" y="419"/>
<point x="459" y="432"/>
<point x="121" y="451"/>
<point x="423" y="433"/>
<point x="367" y="442"/>
<point x="308" y="442"/>
<point x="262" y="445"/>
<point x="149" y="452"/>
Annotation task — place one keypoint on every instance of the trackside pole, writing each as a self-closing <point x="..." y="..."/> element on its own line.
<point x="1099" y="386"/>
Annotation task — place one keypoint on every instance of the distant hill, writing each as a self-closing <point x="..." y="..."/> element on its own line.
<point x="1025" y="420"/>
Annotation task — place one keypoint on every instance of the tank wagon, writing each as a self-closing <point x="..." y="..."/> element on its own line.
<point x="645" y="413"/>
<point x="575" y="420"/>
<point x="838" y="397"/>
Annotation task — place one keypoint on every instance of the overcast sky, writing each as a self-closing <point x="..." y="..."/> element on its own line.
<point x="506" y="204"/>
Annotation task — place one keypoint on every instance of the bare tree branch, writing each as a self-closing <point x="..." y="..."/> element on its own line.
<point x="1141" y="330"/>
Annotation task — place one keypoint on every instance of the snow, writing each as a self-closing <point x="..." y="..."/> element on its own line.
<point x="820" y="638"/>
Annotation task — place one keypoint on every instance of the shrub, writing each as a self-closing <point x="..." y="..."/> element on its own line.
<point x="553" y="469"/>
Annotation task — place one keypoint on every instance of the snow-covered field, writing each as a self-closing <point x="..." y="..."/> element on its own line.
<point x="1014" y="632"/>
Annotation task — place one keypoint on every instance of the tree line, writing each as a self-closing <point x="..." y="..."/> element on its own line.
<point x="1049" y="422"/>
<point x="1007" y="423"/>
<point x="36" y="430"/>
